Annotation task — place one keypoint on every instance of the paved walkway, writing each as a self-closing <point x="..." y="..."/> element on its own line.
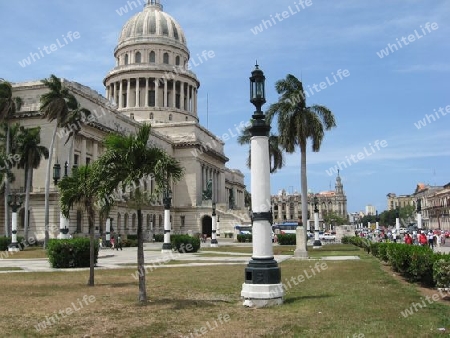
<point x="113" y="259"/>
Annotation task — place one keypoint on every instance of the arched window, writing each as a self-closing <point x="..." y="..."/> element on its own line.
<point x="137" y="57"/>
<point x="125" y="222"/>
<point x="152" y="57"/>
<point x="177" y="60"/>
<point x="166" y="58"/>
<point x="160" y="221"/>
<point x="119" y="220"/>
<point x="126" y="59"/>
<point x="170" y="117"/>
<point x="186" y="118"/>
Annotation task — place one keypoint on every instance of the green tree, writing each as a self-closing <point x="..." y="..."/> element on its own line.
<point x="276" y="157"/>
<point x="57" y="105"/>
<point x="82" y="188"/>
<point x="298" y="123"/>
<point x="31" y="153"/>
<point x="126" y="162"/>
<point x="8" y="107"/>
<point x="333" y="218"/>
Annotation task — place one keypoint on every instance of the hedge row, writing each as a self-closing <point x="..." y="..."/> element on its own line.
<point x="244" y="238"/>
<point x="70" y="253"/>
<point x="415" y="263"/>
<point x="287" y="239"/>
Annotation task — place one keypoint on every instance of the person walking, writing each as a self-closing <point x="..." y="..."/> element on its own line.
<point x="408" y="239"/>
<point x="119" y="243"/>
<point x="431" y="239"/>
<point x="112" y="241"/>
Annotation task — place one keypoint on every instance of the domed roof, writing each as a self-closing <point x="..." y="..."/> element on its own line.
<point x="151" y="25"/>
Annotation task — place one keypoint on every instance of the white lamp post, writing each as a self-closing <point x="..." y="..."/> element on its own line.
<point x="167" y="200"/>
<point x="419" y="214"/>
<point x="15" y="202"/>
<point x="317" y="243"/>
<point x="262" y="285"/>
<point x="214" y="243"/>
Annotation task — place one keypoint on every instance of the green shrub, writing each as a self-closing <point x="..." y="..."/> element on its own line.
<point x="374" y="248"/>
<point x="132" y="237"/>
<point x="399" y="257"/>
<point x="421" y="260"/>
<point x="244" y="238"/>
<point x="441" y="271"/>
<point x="382" y="252"/>
<point x="70" y="253"/>
<point x="184" y="243"/>
<point x="158" y="237"/>
<point x="127" y="243"/>
<point x="287" y="239"/>
<point x="346" y="240"/>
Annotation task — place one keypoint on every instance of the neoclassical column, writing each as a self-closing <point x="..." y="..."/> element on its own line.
<point x="128" y="93"/>
<point x="165" y="92"/>
<point x="83" y="152"/>
<point x="121" y="94"/>
<point x="146" y="91"/>
<point x="107" y="92"/>
<point x="95" y="150"/>
<point x="156" y="92"/>
<point x="195" y="100"/>
<point x="189" y="106"/>
<point x="174" y="94"/>
<point x="182" y="96"/>
<point x="137" y="93"/>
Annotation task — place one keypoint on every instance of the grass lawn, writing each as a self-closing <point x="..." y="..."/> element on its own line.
<point x="28" y="253"/>
<point x="348" y="298"/>
<point x="12" y="268"/>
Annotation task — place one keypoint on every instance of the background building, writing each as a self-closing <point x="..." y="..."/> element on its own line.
<point x="287" y="207"/>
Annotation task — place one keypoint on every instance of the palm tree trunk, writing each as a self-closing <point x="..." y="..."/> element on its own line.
<point x="7" y="190"/>
<point x="47" y="187"/>
<point x="29" y="170"/>
<point x="140" y="260"/>
<point x="304" y="185"/>
<point x="91" y="216"/>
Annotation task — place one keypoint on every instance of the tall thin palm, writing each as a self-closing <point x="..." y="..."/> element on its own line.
<point x="297" y="123"/>
<point x="276" y="157"/>
<point x="126" y="161"/>
<point x="8" y="107"/>
<point x="56" y="105"/>
<point x="31" y="153"/>
<point x="82" y="188"/>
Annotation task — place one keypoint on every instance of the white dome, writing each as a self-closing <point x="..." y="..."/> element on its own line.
<point x="152" y="25"/>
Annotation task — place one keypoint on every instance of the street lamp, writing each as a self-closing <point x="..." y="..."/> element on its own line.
<point x="63" y="221"/>
<point x="317" y="244"/>
<point x="214" y="243"/>
<point x="262" y="285"/>
<point x="56" y="172"/>
<point x="218" y="226"/>
<point x="15" y="202"/>
<point x="419" y="213"/>
<point x="377" y="220"/>
<point x="167" y="200"/>
<point x="397" y="219"/>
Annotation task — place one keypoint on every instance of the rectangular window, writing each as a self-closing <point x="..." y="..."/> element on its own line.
<point x="183" y="219"/>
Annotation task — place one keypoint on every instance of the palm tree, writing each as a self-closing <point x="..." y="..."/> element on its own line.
<point x="8" y="107"/>
<point x="126" y="161"/>
<point x="297" y="123"/>
<point x="31" y="154"/>
<point x="56" y="105"/>
<point x="82" y="188"/>
<point x="276" y="157"/>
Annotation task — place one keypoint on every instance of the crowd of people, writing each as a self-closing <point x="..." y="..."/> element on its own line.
<point x="420" y="237"/>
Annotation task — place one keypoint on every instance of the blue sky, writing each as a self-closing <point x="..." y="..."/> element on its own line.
<point x="381" y="98"/>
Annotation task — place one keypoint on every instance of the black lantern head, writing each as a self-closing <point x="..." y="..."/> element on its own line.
<point x="316" y="202"/>
<point x="66" y="166"/>
<point x="56" y="173"/>
<point x="257" y="88"/>
<point x="214" y="208"/>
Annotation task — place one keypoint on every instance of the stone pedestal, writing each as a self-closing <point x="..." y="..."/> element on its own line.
<point x="300" y="251"/>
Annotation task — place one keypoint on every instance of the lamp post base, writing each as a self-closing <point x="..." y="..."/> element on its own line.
<point x="262" y="295"/>
<point x="214" y="243"/>
<point x="166" y="248"/>
<point x="317" y="244"/>
<point x="14" y="247"/>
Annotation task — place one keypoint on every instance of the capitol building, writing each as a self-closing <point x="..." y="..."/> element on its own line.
<point x="151" y="82"/>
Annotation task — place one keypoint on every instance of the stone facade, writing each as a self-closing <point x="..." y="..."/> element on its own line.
<point x="288" y="207"/>
<point x="150" y="83"/>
